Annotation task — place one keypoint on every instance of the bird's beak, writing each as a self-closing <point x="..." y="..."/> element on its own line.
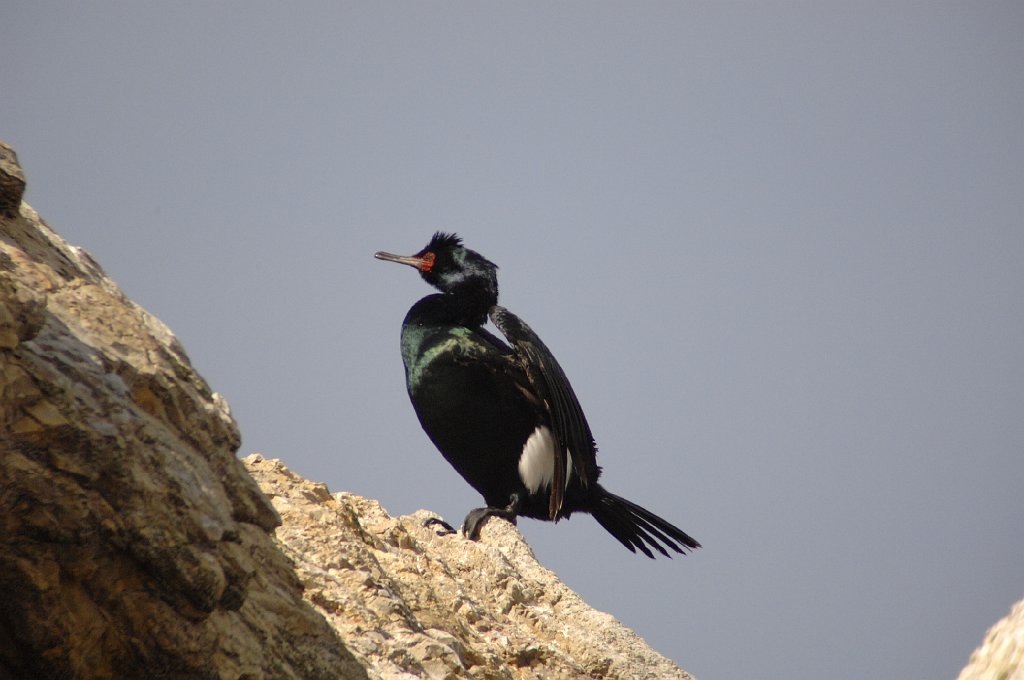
<point x="417" y="262"/>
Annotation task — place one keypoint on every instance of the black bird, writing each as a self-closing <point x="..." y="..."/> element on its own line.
<point x="504" y="414"/>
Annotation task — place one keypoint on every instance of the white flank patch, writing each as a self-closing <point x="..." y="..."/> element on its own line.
<point x="537" y="462"/>
<point x="568" y="467"/>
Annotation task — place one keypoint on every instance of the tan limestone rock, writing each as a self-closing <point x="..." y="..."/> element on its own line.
<point x="412" y="603"/>
<point x="1001" y="654"/>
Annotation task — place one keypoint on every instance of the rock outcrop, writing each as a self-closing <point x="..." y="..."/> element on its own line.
<point x="1001" y="654"/>
<point x="414" y="603"/>
<point x="134" y="543"/>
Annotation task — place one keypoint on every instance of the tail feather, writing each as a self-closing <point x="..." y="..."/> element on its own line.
<point x="637" y="528"/>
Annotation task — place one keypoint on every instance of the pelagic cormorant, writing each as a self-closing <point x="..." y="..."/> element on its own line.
<point x="503" y="413"/>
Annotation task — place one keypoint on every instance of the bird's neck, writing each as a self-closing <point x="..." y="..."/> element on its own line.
<point x="470" y="306"/>
<point x="467" y="308"/>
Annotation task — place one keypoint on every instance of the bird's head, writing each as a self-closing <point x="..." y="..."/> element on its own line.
<point x="450" y="267"/>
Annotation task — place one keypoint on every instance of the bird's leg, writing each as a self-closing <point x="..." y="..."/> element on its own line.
<point x="475" y="519"/>
<point x="446" y="529"/>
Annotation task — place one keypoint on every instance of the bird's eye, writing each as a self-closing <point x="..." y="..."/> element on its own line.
<point x="427" y="262"/>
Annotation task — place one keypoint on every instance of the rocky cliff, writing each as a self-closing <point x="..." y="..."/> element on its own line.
<point x="136" y="545"/>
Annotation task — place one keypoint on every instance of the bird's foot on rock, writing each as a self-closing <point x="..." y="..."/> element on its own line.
<point x="445" y="528"/>
<point x="476" y="518"/>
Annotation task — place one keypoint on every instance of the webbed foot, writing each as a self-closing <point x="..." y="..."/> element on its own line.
<point x="445" y="530"/>
<point x="476" y="518"/>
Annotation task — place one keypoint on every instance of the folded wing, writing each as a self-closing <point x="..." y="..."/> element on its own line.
<point x="575" y="451"/>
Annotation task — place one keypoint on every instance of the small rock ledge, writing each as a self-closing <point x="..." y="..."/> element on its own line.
<point x="415" y="604"/>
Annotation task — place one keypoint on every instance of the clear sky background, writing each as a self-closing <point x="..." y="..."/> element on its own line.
<point x="778" y="248"/>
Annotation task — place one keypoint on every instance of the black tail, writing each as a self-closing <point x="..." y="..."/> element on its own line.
<point x="636" y="527"/>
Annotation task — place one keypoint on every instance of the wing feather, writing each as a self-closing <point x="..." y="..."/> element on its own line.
<point x="575" y="441"/>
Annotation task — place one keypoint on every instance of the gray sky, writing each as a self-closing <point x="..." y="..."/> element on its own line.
<point x="777" y="248"/>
